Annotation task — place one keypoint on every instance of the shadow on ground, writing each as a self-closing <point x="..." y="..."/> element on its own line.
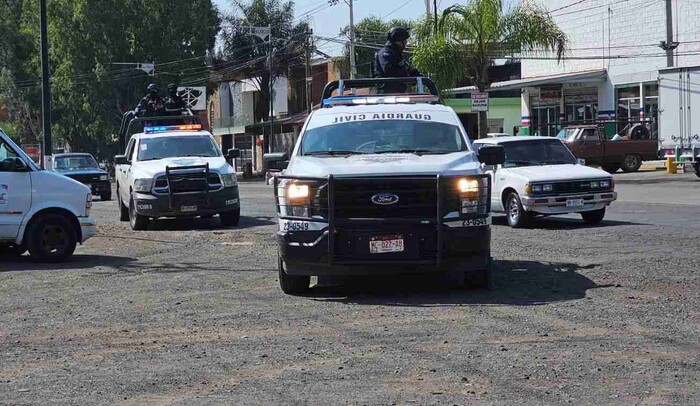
<point x="564" y="223"/>
<point x="203" y="224"/>
<point x="519" y="283"/>
<point x="82" y="262"/>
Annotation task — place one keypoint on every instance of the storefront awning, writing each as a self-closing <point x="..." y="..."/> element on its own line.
<point x="598" y="75"/>
<point x="282" y="125"/>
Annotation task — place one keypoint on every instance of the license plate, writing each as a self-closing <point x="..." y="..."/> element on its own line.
<point x="186" y="209"/>
<point x="574" y="203"/>
<point x="477" y="222"/>
<point x="381" y="245"/>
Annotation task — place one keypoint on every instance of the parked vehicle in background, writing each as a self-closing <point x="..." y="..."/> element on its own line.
<point x="40" y="211"/>
<point x="626" y="153"/>
<point x="83" y="168"/>
<point x="679" y="114"/>
<point x="384" y="184"/>
<point x="494" y="135"/>
<point x="540" y="176"/>
<point x="176" y="171"/>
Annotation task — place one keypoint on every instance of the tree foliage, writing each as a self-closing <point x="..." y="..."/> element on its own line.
<point x="86" y="38"/>
<point x="246" y="55"/>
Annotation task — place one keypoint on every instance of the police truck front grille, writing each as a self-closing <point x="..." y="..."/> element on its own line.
<point x="85" y="178"/>
<point x="417" y="198"/>
<point x="188" y="183"/>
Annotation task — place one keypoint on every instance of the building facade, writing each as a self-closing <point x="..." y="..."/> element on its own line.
<point x="610" y="75"/>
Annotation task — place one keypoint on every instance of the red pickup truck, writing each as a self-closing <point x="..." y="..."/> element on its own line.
<point x="587" y="142"/>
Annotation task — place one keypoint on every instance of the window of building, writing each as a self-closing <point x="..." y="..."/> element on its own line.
<point x="651" y="108"/>
<point x="581" y="108"/>
<point x="628" y="107"/>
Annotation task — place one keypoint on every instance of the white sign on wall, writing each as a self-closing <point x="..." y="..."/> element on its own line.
<point x="261" y="32"/>
<point x="195" y="97"/>
<point x="480" y="101"/>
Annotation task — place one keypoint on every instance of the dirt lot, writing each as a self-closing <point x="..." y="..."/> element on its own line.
<point x="189" y="313"/>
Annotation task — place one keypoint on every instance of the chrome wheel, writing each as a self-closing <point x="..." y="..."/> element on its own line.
<point x="513" y="211"/>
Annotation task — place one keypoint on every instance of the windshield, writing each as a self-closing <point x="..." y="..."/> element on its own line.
<point x="383" y="136"/>
<point x="566" y="133"/>
<point x="540" y="152"/>
<point x="64" y="163"/>
<point x="179" y="146"/>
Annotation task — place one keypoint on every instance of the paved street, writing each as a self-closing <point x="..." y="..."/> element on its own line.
<point x="190" y="313"/>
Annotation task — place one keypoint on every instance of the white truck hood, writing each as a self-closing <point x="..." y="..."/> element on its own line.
<point x="149" y="169"/>
<point x="548" y="173"/>
<point x="458" y="163"/>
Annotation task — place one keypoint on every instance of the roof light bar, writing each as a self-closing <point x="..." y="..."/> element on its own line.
<point x="365" y="100"/>
<point x="164" y="128"/>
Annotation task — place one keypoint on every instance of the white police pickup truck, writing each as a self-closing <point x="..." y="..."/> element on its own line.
<point x="40" y="211"/>
<point x="384" y="184"/>
<point x="541" y="176"/>
<point x="176" y="171"/>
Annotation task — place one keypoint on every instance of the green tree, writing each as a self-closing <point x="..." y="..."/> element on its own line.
<point x="483" y="31"/>
<point x="246" y="55"/>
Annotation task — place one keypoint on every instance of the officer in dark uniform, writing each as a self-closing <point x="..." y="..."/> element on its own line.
<point x="389" y="61"/>
<point x="174" y="103"/>
<point x="151" y="104"/>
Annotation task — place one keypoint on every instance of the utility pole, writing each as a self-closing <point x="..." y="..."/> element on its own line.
<point x="427" y="7"/>
<point x="353" y="66"/>
<point x="670" y="45"/>
<point x="270" y="90"/>
<point x="309" y="78"/>
<point x="45" y="87"/>
<point x="436" y="20"/>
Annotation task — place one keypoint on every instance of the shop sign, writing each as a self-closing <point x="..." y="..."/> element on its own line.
<point x="480" y="101"/>
<point x="547" y="94"/>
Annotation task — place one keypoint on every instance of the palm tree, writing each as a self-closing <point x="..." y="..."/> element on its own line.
<point x="484" y="32"/>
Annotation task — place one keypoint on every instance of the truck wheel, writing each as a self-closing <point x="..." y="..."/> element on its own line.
<point x="593" y="217"/>
<point x="291" y="284"/>
<point x="480" y="279"/>
<point x="136" y="221"/>
<point x="230" y="218"/>
<point x="106" y="196"/>
<point x="697" y="169"/>
<point x="12" y="250"/>
<point x="631" y="163"/>
<point x="611" y="168"/>
<point x="515" y="213"/>
<point x="51" y="238"/>
<point x="123" y="210"/>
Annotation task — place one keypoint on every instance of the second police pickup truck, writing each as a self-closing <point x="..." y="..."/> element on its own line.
<point x="384" y="184"/>
<point x="175" y="171"/>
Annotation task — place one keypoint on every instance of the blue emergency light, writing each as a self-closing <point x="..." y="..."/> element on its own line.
<point x="164" y="128"/>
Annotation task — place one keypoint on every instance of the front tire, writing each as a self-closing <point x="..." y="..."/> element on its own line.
<point x="593" y="217"/>
<point x="136" y="221"/>
<point x="631" y="163"/>
<point x="230" y="218"/>
<point x="12" y="250"/>
<point x="515" y="213"/>
<point x="106" y="196"/>
<point x="697" y="169"/>
<point x="611" y="168"/>
<point x="123" y="210"/>
<point x="291" y="284"/>
<point x="51" y="238"/>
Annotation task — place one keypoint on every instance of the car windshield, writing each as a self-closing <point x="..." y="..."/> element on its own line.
<point x="176" y="146"/>
<point x="383" y="136"/>
<point x="63" y="163"/>
<point x="566" y="133"/>
<point x="537" y="152"/>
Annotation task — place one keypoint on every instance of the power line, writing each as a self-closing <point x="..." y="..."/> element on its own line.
<point x="396" y="9"/>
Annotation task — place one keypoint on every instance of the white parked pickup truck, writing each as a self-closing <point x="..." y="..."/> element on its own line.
<point x="542" y="177"/>
<point x="40" y="211"/>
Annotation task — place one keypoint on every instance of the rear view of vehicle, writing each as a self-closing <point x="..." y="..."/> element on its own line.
<point x="383" y="185"/>
<point x="84" y="169"/>
<point x="679" y="121"/>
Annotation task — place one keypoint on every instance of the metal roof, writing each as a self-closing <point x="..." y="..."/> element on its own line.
<point x="597" y="75"/>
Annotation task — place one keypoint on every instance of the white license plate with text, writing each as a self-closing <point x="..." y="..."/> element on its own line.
<point x="574" y="203"/>
<point x="187" y="209"/>
<point x="381" y="245"/>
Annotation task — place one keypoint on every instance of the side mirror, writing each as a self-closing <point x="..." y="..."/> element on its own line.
<point x="234" y="153"/>
<point x="492" y="155"/>
<point x="580" y="161"/>
<point x="276" y="161"/>
<point x="120" y="160"/>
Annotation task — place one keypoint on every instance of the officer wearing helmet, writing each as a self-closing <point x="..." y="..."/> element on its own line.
<point x="389" y="61"/>
<point x="174" y="103"/>
<point x="151" y="104"/>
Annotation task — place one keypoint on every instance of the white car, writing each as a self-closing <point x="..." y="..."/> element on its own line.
<point x="176" y="171"/>
<point x="40" y="211"/>
<point x="383" y="185"/>
<point x="541" y="176"/>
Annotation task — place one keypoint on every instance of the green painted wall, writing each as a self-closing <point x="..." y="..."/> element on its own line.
<point x="507" y="108"/>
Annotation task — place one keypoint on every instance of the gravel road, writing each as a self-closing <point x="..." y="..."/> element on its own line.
<point x="189" y="313"/>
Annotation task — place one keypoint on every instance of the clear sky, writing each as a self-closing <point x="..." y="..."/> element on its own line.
<point x="326" y="21"/>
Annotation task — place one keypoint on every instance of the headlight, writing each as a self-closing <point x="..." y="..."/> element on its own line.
<point x="466" y="185"/>
<point x="595" y="185"/>
<point x="298" y="200"/>
<point x="88" y="204"/>
<point x="605" y="183"/>
<point x="229" y="179"/>
<point x="143" y="185"/>
<point x="103" y="177"/>
<point x="295" y="191"/>
<point x="548" y="187"/>
<point x="536" y="188"/>
<point x="472" y="199"/>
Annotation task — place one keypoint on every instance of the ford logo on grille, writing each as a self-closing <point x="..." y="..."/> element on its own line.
<point x="385" y="199"/>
